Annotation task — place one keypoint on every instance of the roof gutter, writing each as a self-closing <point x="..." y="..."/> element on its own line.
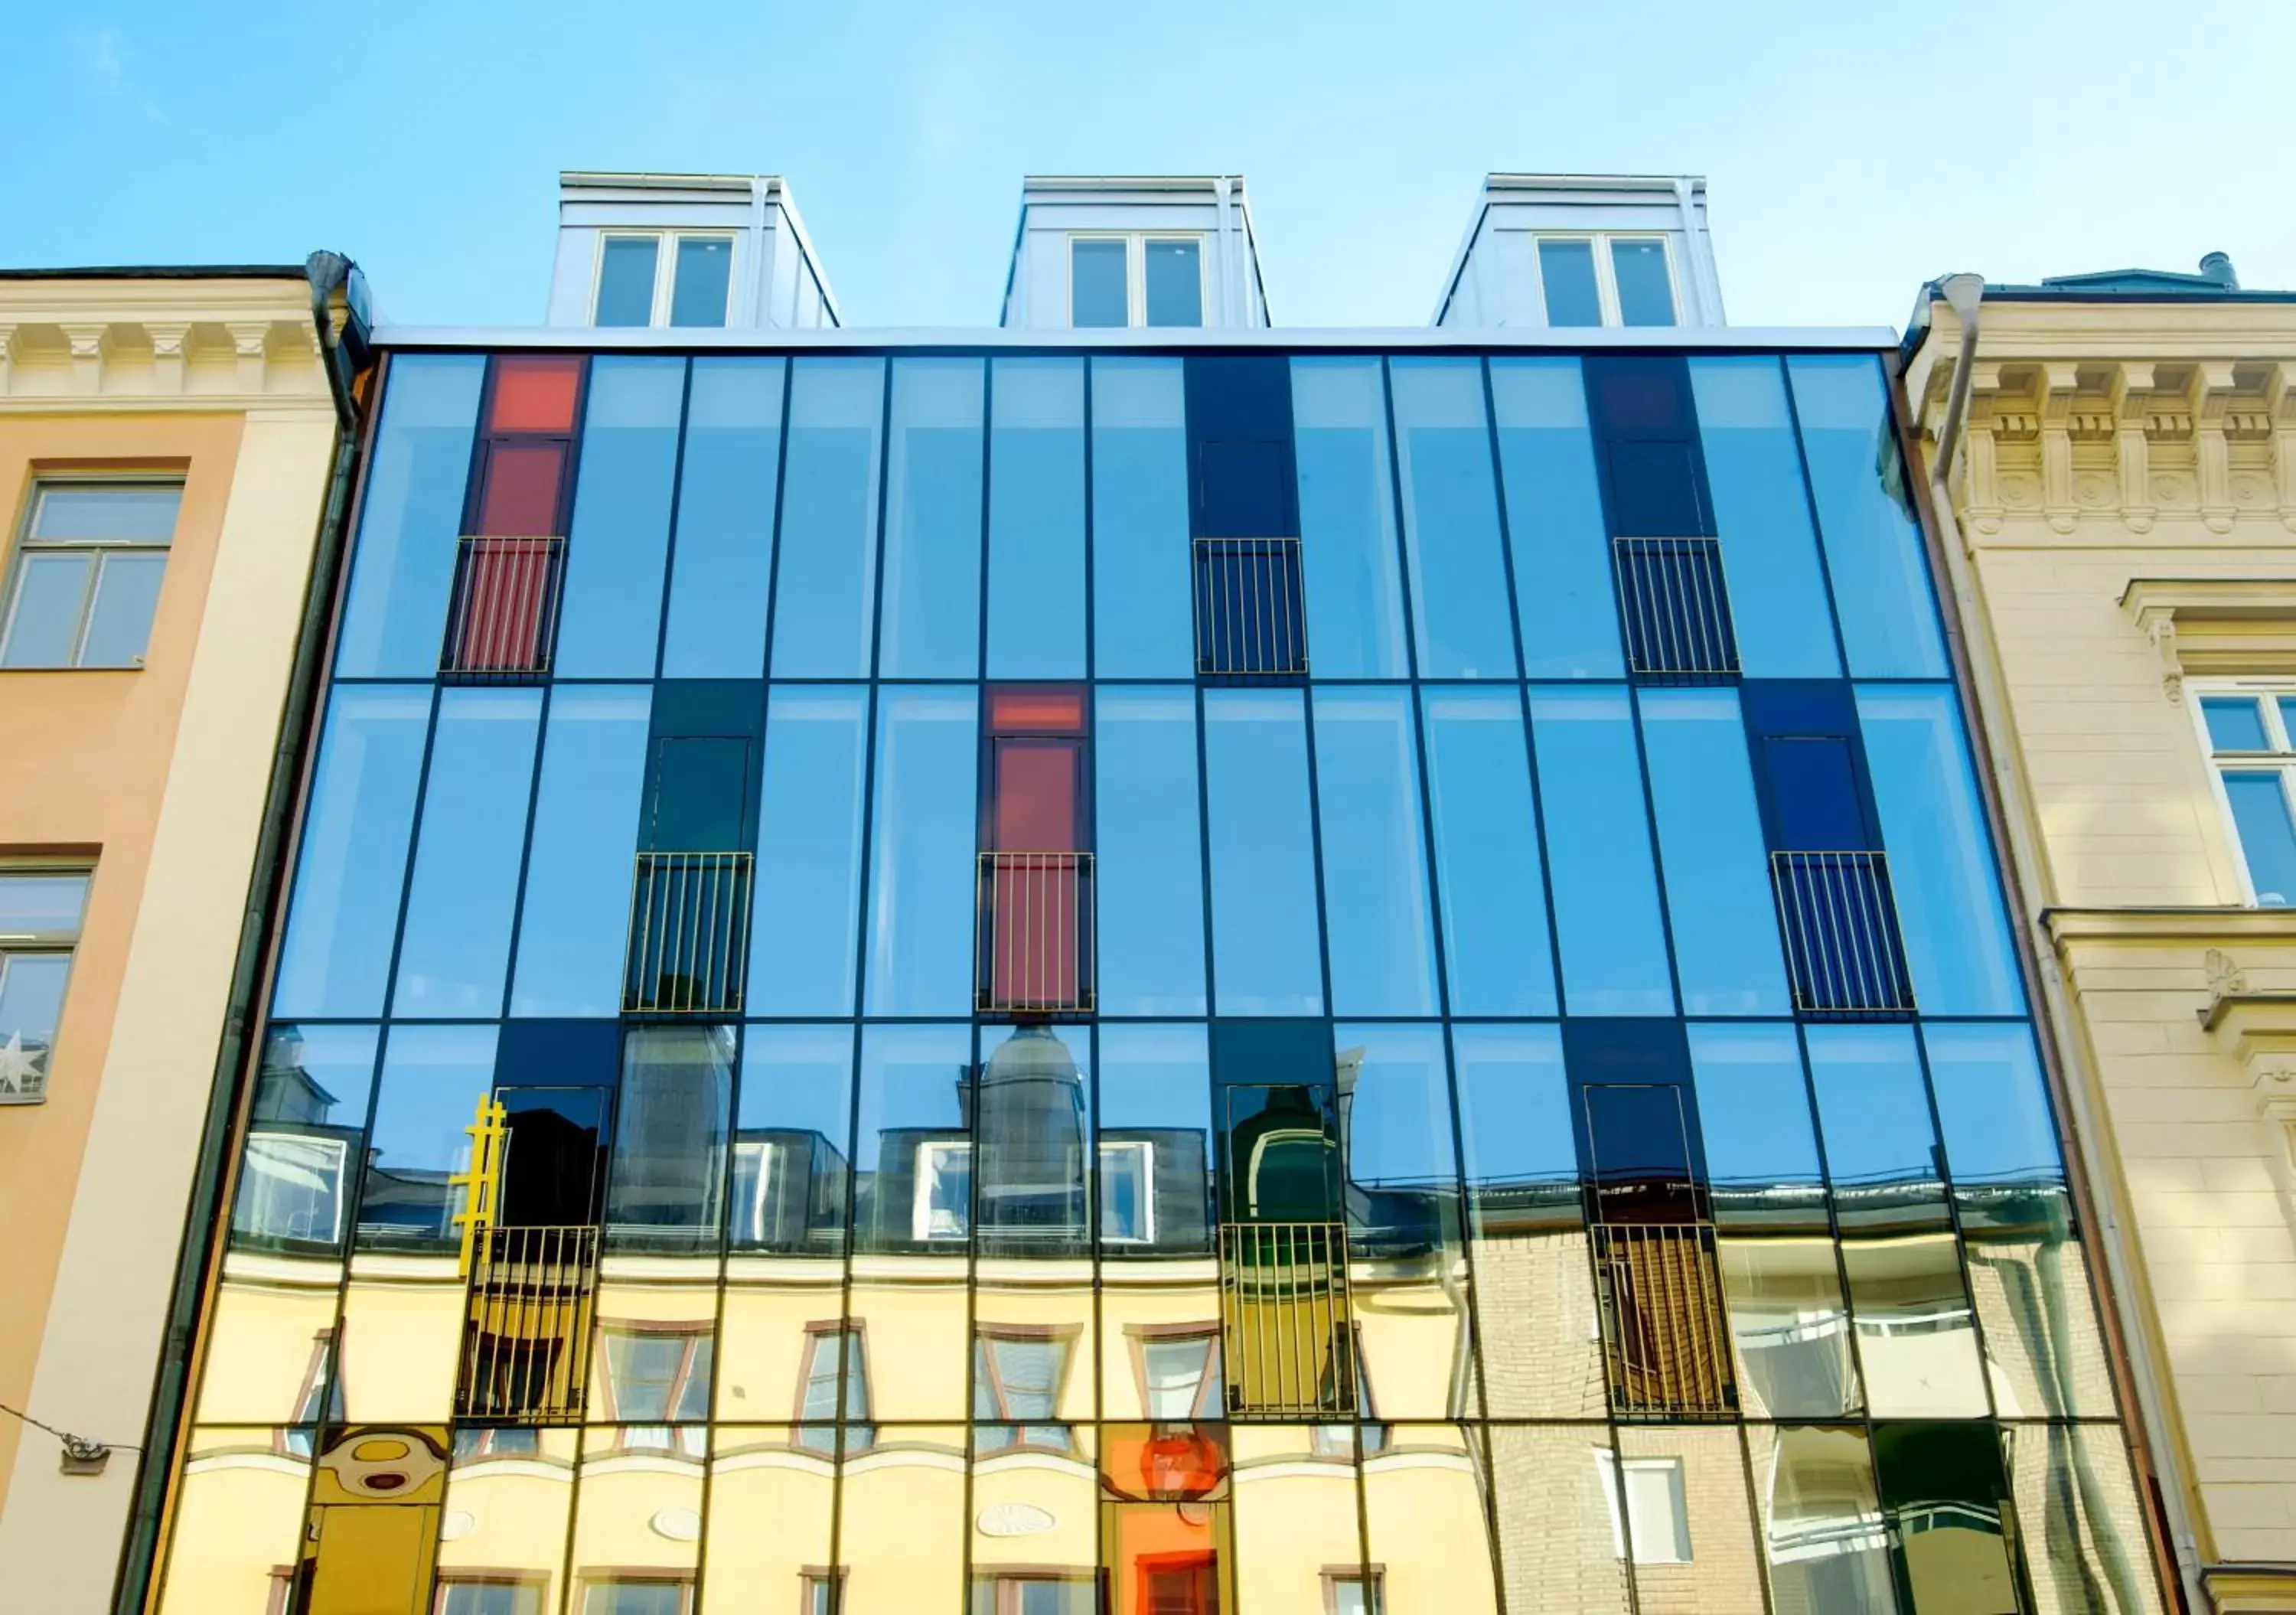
<point x="345" y="353"/>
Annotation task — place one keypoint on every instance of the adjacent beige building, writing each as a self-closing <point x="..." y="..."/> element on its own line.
<point x="2125" y="499"/>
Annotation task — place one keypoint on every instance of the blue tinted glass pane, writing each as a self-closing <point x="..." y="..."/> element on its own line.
<point x="619" y="540"/>
<point x="574" y="928"/>
<point x="1266" y="950"/>
<point x="791" y="1140"/>
<point x="1155" y="1091"/>
<point x="1487" y="863"/>
<point x="1460" y="610"/>
<point x="626" y="271"/>
<point x="705" y="271"/>
<point x="912" y="1080"/>
<point x="1398" y="1128"/>
<point x="724" y="561"/>
<point x="825" y="591"/>
<point x="1035" y="519"/>
<point x="456" y="950"/>
<point x="1940" y="858"/>
<point x="345" y="910"/>
<point x="2236" y="723"/>
<point x="1568" y="270"/>
<point x="1872" y="1106"/>
<point x="1598" y="853"/>
<point x="1709" y="839"/>
<point x="1347" y="519"/>
<point x="2259" y="811"/>
<point x="1141" y="622"/>
<point x="1149" y="870"/>
<point x="1096" y="291"/>
<point x="931" y="628"/>
<point x="1176" y="282"/>
<point x="433" y="1077"/>
<point x="404" y="567"/>
<point x="1514" y="1105"/>
<point x="1646" y="291"/>
<point x="804" y="944"/>
<point x="119" y="618"/>
<point x="1554" y="520"/>
<point x="1382" y="946"/>
<point x="51" y="593"/>
<point x="921" y="853"/>
<point x="1753" y="1109"/>
<point x="133" y="511"/>
<point x="1992" y="1105"/>
<point x="1873" y="549"/>
<point x="1761" y="510"/>
<point x="666" y="1180"/>
<point x="2287" y="709"/>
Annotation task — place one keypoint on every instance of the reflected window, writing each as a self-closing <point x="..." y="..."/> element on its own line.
<point x="943" y="1209"/>
<point x="1179" y="1374"/>
<point x="88" y="567"/>
<point x="310" y="1107"/>
<point x="1657" y="1518"/>
<point x="1353" y="1594"/>
<point x="40" y="912"/>
<point x="461" y="1596"/>
<point x="1016" y="1378"/>
<point x="1052" y="1593"/>
<point x="789" y="1179"/>
<point x="656" y="1377"/>
<point x="432" y="1079"/>
<point x="667" y="1183"/>
<point x="833" y="1353"/>
<point x="2248" y="732"/>
<point x="1128" y="1192"/>
<point x="619" y="1597"/>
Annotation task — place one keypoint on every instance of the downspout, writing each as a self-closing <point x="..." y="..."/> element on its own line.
<point x="1229" y="313"/>
<point x="1966" y="293"/>
<point x="200" y="1254"/>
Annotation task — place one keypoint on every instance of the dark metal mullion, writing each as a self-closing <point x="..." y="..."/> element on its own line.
<point x="526" y="849"/>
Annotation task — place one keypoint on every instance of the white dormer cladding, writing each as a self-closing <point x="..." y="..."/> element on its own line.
<point x="1135" y="219"/>
<point x="775" y="279"/>
<point x="1501" y="275"/>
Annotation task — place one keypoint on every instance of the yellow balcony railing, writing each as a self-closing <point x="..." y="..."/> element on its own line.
<point x="1664" y="1340"/>
<point x="525" y="1342"/>
<point x="1840" y="918"/>
<point x="504" y="621"/>
<point x="1676" y="608"/>
<point x="1287" y="1329"/>
<point x="1036" y="918"/>
<point x="689" y="934"/>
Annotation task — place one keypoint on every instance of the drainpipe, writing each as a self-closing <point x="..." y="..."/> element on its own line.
<point x="1966" y="293"/>
<point x="342" y="355"/>
<point x="1229" y="313"/>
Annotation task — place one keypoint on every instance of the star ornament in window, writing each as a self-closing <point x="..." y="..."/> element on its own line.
<point x="23" y="1072"/>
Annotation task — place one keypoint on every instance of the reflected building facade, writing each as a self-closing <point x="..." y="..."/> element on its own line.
<point x="1117" y="973"/>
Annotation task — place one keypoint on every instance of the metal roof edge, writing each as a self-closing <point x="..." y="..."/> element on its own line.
<point x="160" y="272"/>
<point x="1860" y="338"/>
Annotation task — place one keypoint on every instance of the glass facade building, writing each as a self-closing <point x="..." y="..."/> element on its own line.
<point x="1151" y="981"/>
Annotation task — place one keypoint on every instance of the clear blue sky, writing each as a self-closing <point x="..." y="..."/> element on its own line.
<point x="1853" y="148"/>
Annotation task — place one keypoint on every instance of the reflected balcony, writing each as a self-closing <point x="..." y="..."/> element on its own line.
<point x="1036" y="941"/>
<point x="1843" y="949"/>
<point x="689" y="950"/>
<point x="526" y="1339"/>
<point x="1676" y="606"/>
<point x="1249" y="617"/>
<point x="1287" y="1329"/>
<point x="1664" y="1341"/>
<point x="502" y="626"/>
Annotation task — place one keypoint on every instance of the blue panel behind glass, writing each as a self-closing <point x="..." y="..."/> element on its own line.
<point x="1142" y="626"/>
<point x="1753" y="1105"/>
<point x="1514" y="1105"/>
<point x="825" y="579"/>
<point x="1554" y="520"/>
<point x="1266" y="950"/>
<point x="1241" y="476"/>
<point x="1495" y="945"/>
<point x="931" y="626"/>
<point x="922" y="849"/>
<point x="1461" y="614"/>
<point x="574" y="928"/>
<point x="1149" y="869"/>
<point x="724" y="561"/>
<point x="1941" y="866"/>
<point x="356" y="832"/>
<point x="1710" y="837"/>
<point x="433" y="1078"/>
<point x="396" y="618"/>
<point x="1347" y="519"/>
<point x="1873" y="549"/>
<point x="1778" y="601"/>
<point x="1382" y="943"/>
<point x="1873" y="1107"/>
<point x="1598" y="853"/>
<point x="1035" y="519"/>
<point x="1992" y="1104"/>
<point x="618" y="544"/>
<point x="803" y="942"/>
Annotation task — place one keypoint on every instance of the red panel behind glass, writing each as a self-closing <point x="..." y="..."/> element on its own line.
<point x="521" y="496"/>
<point x="536" y="393"/>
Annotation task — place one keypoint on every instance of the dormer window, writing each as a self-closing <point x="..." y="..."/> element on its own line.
<point x="658" y="278"/>
<point x="1117" y="280"/>
<point x="1606" y="279"/>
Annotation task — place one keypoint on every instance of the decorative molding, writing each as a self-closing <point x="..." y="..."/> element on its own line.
<point x="90" y="345"/>
<point x="252" y="340"/>
<point x="7" y="356"/>
<point x="2225" y="979"/>
<point x="171" y="344"/>
<point x="2214" y="625"/>
<point x="2196" y="926"/>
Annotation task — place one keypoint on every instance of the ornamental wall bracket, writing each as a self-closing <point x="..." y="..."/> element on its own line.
<point x="2226" y="626"/>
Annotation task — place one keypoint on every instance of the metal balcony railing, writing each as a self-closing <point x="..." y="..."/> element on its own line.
<point x="503" y="624"/>
<point x="1844" y="952"/>
<point x="1249" y="619"/>
<point x="1664" y="1341"/>
<point x="1035" y="917"/>
<point x="1676" y="606"/>
<point x="1287" y="1327"/>
<point x="689" y="952"/>
<point x="526" y="1341"/>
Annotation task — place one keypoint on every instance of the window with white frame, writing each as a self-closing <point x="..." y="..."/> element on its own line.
<point x="656" y="1379"/>
<point x="40" y="914"/>
<point x="1180" y="1375"/>
<point x="1657" y="1512"/>
<point x="940" y="1207"/>
<point x="1135" y="278"/>
<point x="1601" y="279"/>
<point x="664" y="278"/>
<point x="1127" y="1192"/>
<point x="88" y="565"/>
<point x="2247" y="728"/>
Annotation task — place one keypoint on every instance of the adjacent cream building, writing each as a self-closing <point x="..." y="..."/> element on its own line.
<point x="2125" y="499"/>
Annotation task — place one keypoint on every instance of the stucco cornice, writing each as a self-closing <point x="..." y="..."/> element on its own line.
<point x="124" y="343"/>
<point x="2070" y="928"/>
